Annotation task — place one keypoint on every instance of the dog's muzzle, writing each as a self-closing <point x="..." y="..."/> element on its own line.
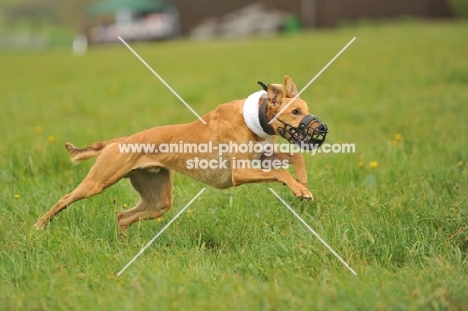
<point x="305" y="136"/>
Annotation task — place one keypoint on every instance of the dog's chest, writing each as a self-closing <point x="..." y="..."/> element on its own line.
<point x="220" y="178"/>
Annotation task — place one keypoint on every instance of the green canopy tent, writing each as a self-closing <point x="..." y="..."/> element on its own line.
<point x="113" y="6"/>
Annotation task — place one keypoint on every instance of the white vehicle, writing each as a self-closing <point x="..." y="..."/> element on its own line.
<point x="133" y="20"/>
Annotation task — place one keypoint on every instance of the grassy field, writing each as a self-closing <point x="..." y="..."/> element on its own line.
<point x="400" y="93"/>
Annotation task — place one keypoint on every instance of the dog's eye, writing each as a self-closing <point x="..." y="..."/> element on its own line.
<point x="295" y="112"/>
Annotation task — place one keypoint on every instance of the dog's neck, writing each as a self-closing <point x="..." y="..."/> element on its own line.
<point x="251" y="115"/>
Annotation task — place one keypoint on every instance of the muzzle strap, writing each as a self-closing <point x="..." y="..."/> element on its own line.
<point x="262" y="118"/>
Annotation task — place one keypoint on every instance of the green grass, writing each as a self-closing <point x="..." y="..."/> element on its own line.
<point x="401" y="226"/>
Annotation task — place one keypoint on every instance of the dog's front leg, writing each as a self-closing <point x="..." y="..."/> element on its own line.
<point x="295" y="159"/>
<point x="255" y="175"/>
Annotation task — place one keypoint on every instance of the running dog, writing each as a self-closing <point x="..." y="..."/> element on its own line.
<point x="241" y="121"/>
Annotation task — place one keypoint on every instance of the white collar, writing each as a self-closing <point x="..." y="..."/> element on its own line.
<point x="250" y="111"/>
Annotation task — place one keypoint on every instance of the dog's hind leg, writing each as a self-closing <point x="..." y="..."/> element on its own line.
<point x="155" y="190"/>
<point x="108" y="169"/>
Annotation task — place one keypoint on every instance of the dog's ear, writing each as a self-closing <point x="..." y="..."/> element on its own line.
<point x="291" y="89"/>
<point x="275" y="94"/>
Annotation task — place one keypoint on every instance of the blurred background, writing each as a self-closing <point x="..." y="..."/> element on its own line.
<point x="395" y="209"/>
<point x="39" y="24"/>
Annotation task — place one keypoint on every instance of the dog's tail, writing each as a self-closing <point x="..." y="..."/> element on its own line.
<point x="79" y="155"/>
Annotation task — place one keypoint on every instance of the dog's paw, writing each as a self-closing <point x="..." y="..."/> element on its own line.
<point x="303" y="193"/>
<point x="39" y="225"/>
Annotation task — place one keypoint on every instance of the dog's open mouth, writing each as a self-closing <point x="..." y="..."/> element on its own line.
<point x="309" y="135"/>
<point x="299" y="136"/>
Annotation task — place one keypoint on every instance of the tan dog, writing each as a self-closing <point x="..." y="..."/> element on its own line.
<point x="151" y="173"/>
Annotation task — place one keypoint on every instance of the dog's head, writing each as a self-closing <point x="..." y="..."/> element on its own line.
<point x="292" y="119"/>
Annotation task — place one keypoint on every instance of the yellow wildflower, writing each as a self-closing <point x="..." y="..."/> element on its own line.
<point x="17" y="196"/>
<point x="374" y="164"/>
<point x="51" y="139"/>
<point x="398" y="137"/>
